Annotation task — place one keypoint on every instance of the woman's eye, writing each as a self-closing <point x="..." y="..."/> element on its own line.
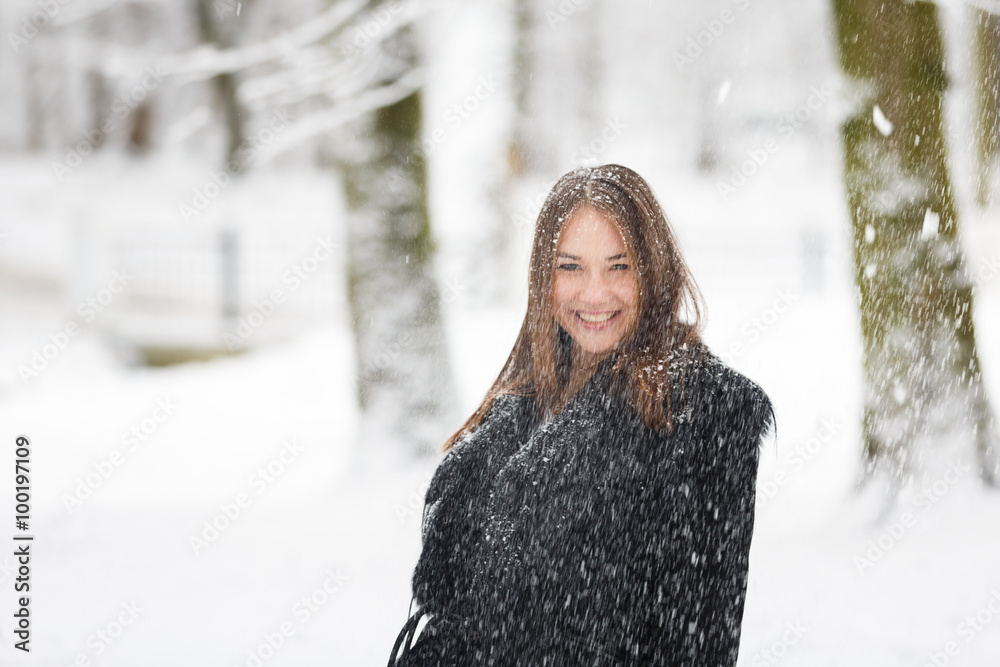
<point x="574" y="267"/>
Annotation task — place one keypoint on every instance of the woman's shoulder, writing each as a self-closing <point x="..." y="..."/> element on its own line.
<point x="714" y="374"/>
<point x="724" y="399"/>
<point x="507" y="415"/>
<point x="503" y="410"/>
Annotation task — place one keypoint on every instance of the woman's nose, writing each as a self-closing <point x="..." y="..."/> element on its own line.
<point x="595" y="288"/>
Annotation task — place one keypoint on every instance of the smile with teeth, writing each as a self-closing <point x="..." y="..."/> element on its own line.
<point x="596" y="318"/>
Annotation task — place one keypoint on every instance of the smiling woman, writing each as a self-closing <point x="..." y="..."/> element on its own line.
<point x="606" y="272"/>
<point x="598" y="507"/>
<point x="595" y="296"/>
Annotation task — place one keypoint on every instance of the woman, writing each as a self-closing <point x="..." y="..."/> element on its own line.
<point x="598" y="507"/>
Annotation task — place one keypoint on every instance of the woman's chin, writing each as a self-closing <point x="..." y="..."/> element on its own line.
<point x="595" y="345"/>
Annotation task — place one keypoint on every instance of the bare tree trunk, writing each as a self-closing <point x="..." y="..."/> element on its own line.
<point x="225" y="83"/>
<point x="557" y="90"/>
<point x="142" y="27"/>
<point x="404" y="376"/>
<point x="986" y="90"/>
<point x="710" y="152"/>
<point x="524" y="156"/>
<point x="923" y="381"/>
<point x="558" y="71"/>
<point x="34" y="97"/>
<point x="101" y="91"/>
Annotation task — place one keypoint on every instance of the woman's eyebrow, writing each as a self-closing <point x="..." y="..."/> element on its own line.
<point x="566" y="254"/>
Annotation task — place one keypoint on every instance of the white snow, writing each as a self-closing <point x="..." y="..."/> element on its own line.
<point x="883" y="124"/>
<point x="931" y="225"/>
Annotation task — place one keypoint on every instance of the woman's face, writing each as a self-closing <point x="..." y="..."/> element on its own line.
<point x="595" y="286"/>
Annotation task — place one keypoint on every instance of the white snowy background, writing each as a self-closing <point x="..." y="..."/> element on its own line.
<point x="325" y="549"/>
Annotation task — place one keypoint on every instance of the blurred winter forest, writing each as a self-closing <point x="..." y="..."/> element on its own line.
<point x="259" y="259"/>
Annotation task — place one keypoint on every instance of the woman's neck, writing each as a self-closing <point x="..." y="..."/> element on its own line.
<point x="582" y="364"/>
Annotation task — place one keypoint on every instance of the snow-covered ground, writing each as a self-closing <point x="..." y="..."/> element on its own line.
<point x="317" y="534"/>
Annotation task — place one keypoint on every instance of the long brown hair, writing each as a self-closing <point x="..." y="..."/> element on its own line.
<point x="666" y="289"/>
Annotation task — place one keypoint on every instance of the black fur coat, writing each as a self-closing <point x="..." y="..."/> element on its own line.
<point x="591" y="539"/>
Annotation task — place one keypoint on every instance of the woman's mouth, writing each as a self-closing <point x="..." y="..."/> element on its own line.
<point x="596" y="321"/>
